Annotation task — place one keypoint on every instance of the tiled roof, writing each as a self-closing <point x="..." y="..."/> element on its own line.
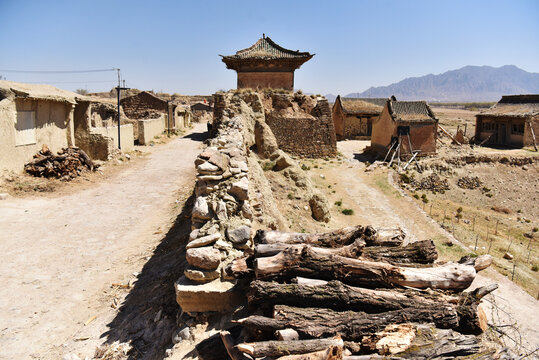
<point x="515" y="105"/>
<point x="265" y="48"/>
<point x="411" y="111"/>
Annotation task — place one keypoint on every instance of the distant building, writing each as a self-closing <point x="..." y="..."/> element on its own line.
<point x="144" y="105"/>
<point x="403" y="118"/>
<point x="266" y="65"/>
<point x="353" y="117"/>
<point x="513" y="121"/>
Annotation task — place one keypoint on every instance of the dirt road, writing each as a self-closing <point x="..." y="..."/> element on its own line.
<point x="61" y="254"/>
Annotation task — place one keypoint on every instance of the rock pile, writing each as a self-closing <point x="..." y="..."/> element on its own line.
<point x="468" y="182"/>
<point x="432" y="182"/>
<point x="221" y="216"/>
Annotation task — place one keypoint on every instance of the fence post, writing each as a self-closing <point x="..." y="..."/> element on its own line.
<point x="514" y="266"/>
<point x="473" y="224"/>
<point x="476" y="239"/>
<point x="496" y="232"/>
<point x="490" y="245"/>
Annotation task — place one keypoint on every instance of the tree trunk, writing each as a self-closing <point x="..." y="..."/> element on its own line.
<point x="231" y="348"/>
<point x="421" y="252"/>
<point x="353" y="250"/>
<point x="317" y="322"/>
<point x="338" y="296"/>
<point x="282" y="348"/>
<point x="331" y="353"/>
<point x="310" y="262"/>
<point x="337" y="238"/>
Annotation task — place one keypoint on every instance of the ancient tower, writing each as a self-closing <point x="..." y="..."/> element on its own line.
<point x="266" y="65"/>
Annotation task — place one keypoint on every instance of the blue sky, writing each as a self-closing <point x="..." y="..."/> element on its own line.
<point x="173" y="46"/>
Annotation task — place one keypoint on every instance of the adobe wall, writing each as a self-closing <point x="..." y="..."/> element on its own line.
<point x="148" y="129"/>
<point x="528" y="138"/>
<point x="357" y="128"/>
<point x="126" y="132"/>
<point x="263" y="80"/>
<point x="511" y="139"/>
<point x="338" y="121"/>
<point x="423" y="137"/>
<point x="383" y="129"/>
<point x="53" y="127"/>
<point x="302" y="124"/>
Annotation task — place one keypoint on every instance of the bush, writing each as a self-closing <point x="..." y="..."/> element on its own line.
<point x="416" y="196"/>
<point x="268" y="165"/>
<point x="404" y="178"/>
<point x="535" y="268"/>
<point x="290" y="196"/>
<point x="305" y="167"/>
<point x="347" y="211"/>
<point x="338" y="203"/>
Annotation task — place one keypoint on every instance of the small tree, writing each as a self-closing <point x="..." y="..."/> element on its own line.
<point x="82" y="91"/>
<point x="459" y="214"/>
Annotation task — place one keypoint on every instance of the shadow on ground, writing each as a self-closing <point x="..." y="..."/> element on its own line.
<point x="365" y="157"/>
<point x="197" y="136"/>
<point x="147" y="318"/>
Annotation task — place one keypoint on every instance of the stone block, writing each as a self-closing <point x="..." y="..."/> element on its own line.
<point x="206" y="257"/>
<point x="217" y="295"/>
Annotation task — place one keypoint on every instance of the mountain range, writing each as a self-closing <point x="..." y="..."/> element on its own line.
<point x="467" y="84"/>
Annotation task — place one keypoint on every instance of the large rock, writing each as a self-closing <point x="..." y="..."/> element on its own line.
<point x="201" y="276"/>
<point x="266" y="144"/>
<point x="201" y="209"/>
<point x="240" y="235"/>
<point x="240" y="189"/>
<point x="206" y="257"/>
<point x="203" y="241"/>
<point x="282" y="160"/>
<point x="319" y="207"/>
<point x="208" y="168"/>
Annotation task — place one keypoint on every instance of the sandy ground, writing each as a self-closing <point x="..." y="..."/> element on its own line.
<point x="61" y="254"/>
<point x="509" y="307"/>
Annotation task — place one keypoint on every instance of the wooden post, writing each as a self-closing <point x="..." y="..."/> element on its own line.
<point x="443" y="220"/>
<point x="490" y="245"/>
<point x="514" y="266"/>
<point x="473" y="224"/>
<point x="476" y="239"/>
<point x="533" y="135"/>
<point x="528" y="259"/>
<point x="496" y="231"/>
<point x="511" y="243"/>
<point x="529" y="243"/>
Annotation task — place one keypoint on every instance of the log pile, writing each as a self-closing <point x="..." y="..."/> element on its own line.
<point x="66" y="165"/>
<point x="356" y="293"/>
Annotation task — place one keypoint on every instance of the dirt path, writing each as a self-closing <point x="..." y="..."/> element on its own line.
<point x="61" y="254"/>
<point x="509" y="305"/>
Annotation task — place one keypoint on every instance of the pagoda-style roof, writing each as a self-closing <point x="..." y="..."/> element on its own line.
<point x="265" y="53"/>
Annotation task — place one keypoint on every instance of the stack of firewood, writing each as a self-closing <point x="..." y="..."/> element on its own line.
<point x="66" y="165"/>
<point x="356" y="293"/>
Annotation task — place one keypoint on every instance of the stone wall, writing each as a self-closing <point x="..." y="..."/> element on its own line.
<point x="302" y="124"/>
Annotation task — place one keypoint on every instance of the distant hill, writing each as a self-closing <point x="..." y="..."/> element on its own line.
<point x="470" y="83"/>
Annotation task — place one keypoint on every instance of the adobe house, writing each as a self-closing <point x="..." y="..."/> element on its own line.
<point x="402" y="118"/>
<point x="513" y="121"/>
<point x="144" y="105"/>
<point x="353" y="117"/>
<point x="266" y="65"/>
<point x="32" y="115"/>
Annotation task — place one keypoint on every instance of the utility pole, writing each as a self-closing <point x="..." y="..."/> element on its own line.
<point x="118" y="89"/>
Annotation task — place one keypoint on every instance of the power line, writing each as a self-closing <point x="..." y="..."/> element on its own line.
<point x="57" y="71"/>
<point x="76" y="82"/>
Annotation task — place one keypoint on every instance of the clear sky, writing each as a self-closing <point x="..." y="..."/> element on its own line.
<point x="173" y="46"/>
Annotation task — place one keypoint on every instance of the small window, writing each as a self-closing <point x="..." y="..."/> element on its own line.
<point x="25" y="127"/>
<point x="488" y="126"/>
<point x="517" y="129"/>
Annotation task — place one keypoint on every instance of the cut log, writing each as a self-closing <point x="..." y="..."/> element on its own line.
<point x="311" y="263"/>
<point x="287" y="334"/>
<point x="317" y="322"/>
<point x="337" y="238"/>
<point x="282" y="348"/>
<point x="385" y="237"/>
<point x="332" y="353"/>
<point x="421" y="252"/>
<point x="353" y="250"/>
<point x="338" y="296"/>
<point x="427" y="343"/>
<point x="240" y="268"/>
<point x="230" y="345"/>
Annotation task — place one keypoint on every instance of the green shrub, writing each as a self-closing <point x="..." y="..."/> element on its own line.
<point x="416" y="196"/>
<point x="347" y="211"/>
<point x="305" y="167"/>
<point x="338" y="203"/>
<point x="290" y="196"/>
<point x="535" y="268"/>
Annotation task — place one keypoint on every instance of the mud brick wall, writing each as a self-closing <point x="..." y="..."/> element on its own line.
<point x="271" y="80"/>
<point x="306" y="135"/>
<point x="143" y="106"/>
